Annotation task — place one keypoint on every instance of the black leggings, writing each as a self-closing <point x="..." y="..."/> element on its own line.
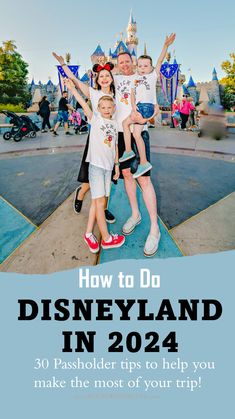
<point x="184" y="120"/>
<point x="46" y="121"/>
<point x="84" y="167"/>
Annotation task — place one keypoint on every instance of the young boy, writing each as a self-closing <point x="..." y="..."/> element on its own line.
<point x="102" y="156"/>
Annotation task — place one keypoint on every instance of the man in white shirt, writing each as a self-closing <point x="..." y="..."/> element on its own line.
<point x="123" y="83"/>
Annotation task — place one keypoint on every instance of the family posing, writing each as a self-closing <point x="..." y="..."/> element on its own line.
<point x="118" y="143"/>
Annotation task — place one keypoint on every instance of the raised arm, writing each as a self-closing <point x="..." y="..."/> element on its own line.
<point x="168" y="41"/>
<point x="82" y="86"/>
<point x="70" y="85"/>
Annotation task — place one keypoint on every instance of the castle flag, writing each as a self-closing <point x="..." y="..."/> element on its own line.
<point x="169" y="78"/>
<point x="62" y="75"/>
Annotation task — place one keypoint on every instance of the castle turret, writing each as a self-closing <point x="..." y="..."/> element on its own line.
<point x="98" y="56"/>
<point x="214" y="75"/>
<point x="215" y="89"/>
<point x="192" y="88"/>
<point x="132" y="40"/>
<point x="85" y="78"/>
<point x="191" y="83"/>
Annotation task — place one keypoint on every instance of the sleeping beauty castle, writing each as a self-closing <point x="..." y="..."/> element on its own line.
<point x="209" y="91"/>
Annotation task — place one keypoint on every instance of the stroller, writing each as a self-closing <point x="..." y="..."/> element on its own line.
<point x="83" y="128"/>
<point x="79" y="123"/>
<point x="22" y="127"/>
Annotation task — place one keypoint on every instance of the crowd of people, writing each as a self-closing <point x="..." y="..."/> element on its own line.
<point x="118" y="145"/>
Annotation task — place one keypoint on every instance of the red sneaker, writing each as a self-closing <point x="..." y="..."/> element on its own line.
<point x="117" y="241"/>
<point x="92" y="243"/>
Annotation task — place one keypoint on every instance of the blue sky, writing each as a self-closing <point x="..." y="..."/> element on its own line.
<point x="205" y="31"/>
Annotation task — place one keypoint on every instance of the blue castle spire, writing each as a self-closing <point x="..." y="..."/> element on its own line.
<point x="191" y="82"/>
<point x="85" y="78"/>
<point x="98" y="51"/>
<point x="131" y="20"/>
<point x="133" y="53"/>
<point x="185" y="90"/>
<point x="214" y="75"/>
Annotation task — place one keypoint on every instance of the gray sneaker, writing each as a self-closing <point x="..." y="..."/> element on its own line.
<point x="130" y="225"/>
<point x="151" y="245"/>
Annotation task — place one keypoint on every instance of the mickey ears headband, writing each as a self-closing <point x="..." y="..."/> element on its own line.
<point x="97" y="67"/>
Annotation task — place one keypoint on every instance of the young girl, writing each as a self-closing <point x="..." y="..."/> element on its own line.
<point x="175" y="110"/>
<point x="104" y="85"/>
<point x="102" y="156"/>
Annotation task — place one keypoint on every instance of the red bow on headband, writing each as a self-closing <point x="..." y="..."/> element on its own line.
<point x="105" y="67"/>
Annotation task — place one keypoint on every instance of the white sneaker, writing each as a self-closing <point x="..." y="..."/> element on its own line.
<point x="151" y="245"/>
<point x="130" y="225"/>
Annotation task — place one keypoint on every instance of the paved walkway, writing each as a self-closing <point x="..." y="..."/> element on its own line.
<point x="211" y="230"/>
<point x="58" y="243"/>
<point x="161" y="137"/>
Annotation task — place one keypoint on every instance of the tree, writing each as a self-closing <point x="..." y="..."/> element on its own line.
<point x="13" y="75"/>
<point x="228" y="82"/>
<point x="227" y="99"/>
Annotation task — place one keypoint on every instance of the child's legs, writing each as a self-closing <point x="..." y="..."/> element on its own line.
<point x="140" y="142"/>
<point x="100" y="181"/>
<point x="100" y="217"/>
<point x="82" y="192"/>
<point x="91" y="217"/>
<point x="127" y="132"/>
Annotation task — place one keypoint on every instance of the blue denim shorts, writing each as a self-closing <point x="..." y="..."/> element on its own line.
<point x="62" y="116"/>
<point x="146" y="109"/>
<point x="100" y="181"/>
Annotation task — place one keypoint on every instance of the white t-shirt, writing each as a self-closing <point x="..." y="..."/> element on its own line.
<point x="123" y="98"/>
<point x="145" y="88"/>
<point x="102" y="143"/>
<point x="95" y="96"/>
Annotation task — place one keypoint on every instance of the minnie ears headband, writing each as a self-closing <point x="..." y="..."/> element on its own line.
<point x="97" y="67"/>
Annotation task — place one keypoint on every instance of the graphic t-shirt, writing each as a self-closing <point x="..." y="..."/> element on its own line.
<point x="123" y="98"/>
<point x="95" y="96"/>
<point x="145" y="88"/>
<point x="63" y="104"/>
<point x="102" y="143"/>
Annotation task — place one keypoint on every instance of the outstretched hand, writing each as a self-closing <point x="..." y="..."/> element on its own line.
<point x="59" y="58"/>
<point x="170" y="39"/>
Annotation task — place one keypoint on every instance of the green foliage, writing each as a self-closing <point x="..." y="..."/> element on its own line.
<point x="227" y="100"/>
<point x="228" y="95"/>
<point x="229" y="68"/>
<point x="12" y="108"/>
<point x="13" y="75"/>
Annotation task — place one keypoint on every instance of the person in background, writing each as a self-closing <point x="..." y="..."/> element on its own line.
<point x="44" y="112"/>
<point x="185" y="108"/>
<point x="63" y="114"/>
<point x="191" y="114"/>
<point x="175" y="110"/>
